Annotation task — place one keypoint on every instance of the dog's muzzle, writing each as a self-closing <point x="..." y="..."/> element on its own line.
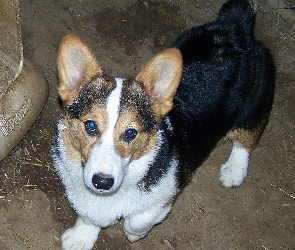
<point x="102" y="181"/>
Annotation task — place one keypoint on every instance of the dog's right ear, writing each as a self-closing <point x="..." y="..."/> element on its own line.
<point x="77" y="66"/>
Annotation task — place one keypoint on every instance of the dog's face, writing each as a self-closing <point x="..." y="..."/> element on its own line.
<point x="109" y="122"/>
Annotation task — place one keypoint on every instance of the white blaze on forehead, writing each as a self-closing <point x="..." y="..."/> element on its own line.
<point x="113" y="103"/>
<point x="103" y="158"/>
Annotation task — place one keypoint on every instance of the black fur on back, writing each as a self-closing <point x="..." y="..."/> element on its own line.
<point x="227" y="83"/>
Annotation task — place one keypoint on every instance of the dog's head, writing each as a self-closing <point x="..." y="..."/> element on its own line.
<point x="109" y="122"/>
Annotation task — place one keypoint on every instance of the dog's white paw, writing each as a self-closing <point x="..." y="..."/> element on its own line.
<point x="131" y="235"/>
<point x="232" y="175"/>
<point x="81" y="236"/>
<point x="134" y="237"/>
<point x="234" y="171"/>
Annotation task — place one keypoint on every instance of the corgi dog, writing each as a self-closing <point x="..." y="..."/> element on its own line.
<point x="124" y="148"/>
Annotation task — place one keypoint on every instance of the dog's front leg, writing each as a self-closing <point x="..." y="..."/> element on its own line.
<point x="137" y="226"/>
<point x="81" y="236"/>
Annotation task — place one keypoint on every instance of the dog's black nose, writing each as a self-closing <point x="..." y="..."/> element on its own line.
<point x="102" y="181"/>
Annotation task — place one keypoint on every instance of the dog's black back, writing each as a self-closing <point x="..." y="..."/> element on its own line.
<point x="227" y="84"/>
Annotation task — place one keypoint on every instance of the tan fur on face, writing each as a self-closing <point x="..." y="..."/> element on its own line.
<point x="70" y="139"/>
<point x="143" y="142"/>
<point x="79" y="143"/>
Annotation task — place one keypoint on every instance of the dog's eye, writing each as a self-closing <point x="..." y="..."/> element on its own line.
<point x="91" y="128"/>
<point x="130" y="134"/>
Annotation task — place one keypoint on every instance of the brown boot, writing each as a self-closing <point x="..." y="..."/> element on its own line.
<point x="23" y="91"/>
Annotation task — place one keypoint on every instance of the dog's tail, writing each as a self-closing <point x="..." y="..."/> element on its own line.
<point x="235" y="25"/>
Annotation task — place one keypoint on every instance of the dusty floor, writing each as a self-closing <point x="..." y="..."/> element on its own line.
<point x="125" y="34"/>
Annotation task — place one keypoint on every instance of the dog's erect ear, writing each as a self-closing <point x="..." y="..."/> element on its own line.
<point x="76" y="66"/>
<point x="161" y="77"/>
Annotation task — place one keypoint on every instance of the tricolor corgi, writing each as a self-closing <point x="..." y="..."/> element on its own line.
<point x="125" y="148"/>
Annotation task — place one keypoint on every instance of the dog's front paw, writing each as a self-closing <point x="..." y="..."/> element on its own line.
<point x="76" y="240"/>
<point x="231" y="174"/>
<point x="81" y="236"/>
<point x="134" y="237"/>
<point x="131" y="235"/>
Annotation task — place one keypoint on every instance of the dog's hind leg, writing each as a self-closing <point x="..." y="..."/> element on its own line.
<point x="82" y="236"/>
<point x="234" y="171"/>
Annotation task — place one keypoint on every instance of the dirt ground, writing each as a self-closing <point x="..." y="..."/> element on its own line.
<point x="125" y="34"/>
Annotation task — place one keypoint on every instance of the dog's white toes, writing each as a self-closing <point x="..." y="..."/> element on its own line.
<point x="134" y="237"/>
<point x="131" y="234"/>
<point x="75" y="239"/>
<point x="234" y="171"/>
<point x="232" y="175"/>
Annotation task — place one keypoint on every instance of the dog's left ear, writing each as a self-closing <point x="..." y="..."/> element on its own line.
<point x="161" y="77"/>
<point x="77" y="66"/>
